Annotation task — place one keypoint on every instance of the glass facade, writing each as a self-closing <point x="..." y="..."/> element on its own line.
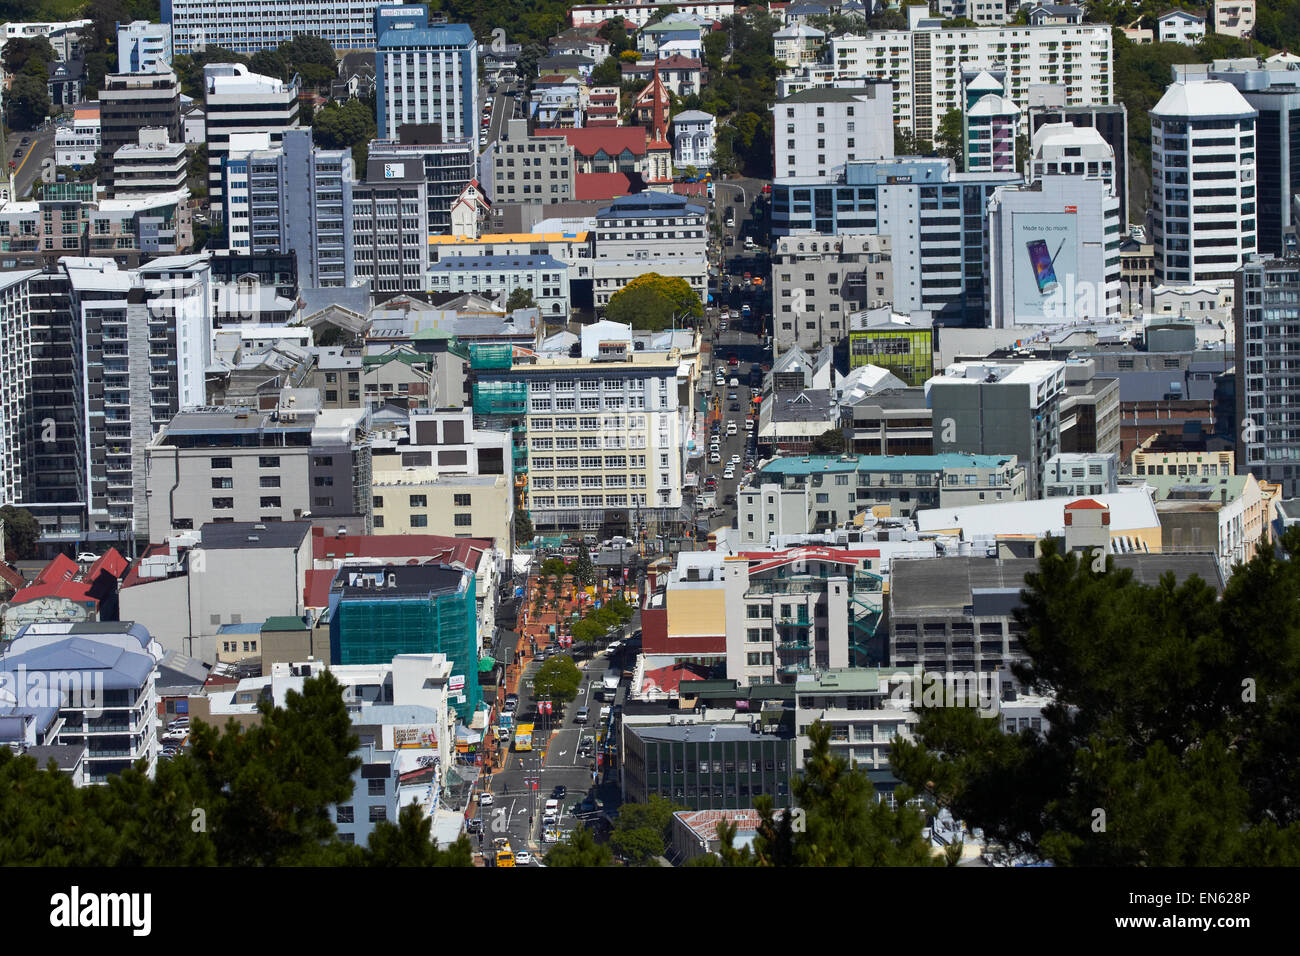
<point x="704" y="774"/>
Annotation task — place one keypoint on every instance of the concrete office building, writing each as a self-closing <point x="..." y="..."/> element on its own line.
<point x="711" y="766"/>
<point x="938" y="256"/>
<point x="924" y="64"/>
<point x="649" y="232"/>
<point x="448" y="169"/>
<point x="1054" y="252"/>
<point x="424" y="73"/>
<point x="1108" y="119"/>
<point x="1080" y="474"/>
<point x="1205" y="226"/>
<point x="390" y="227"/>
<point x="892" y="421"/>
<point x="994" y="408"/>
<point x="154" y="164"/>
<point x="819" y="281"/>
<point x="958" y="613"/>
<point x="1265" y="317"/>
<point x="820" y="129"/>
<point x="519" y="167"/>
<point x="78" y="144"/>
<point x="545" y="278"/>
<point x="859" y="706"/>
<point x="818" y="493"/>
<point x="143" y="47"/>
<point x="294" y="198"/>
<point x="186" y="588"/>
<point x="129" y="102"/>
<point x="245" y="464"/>
<point x="247" y="26"/>
<point x="239" y="101"/>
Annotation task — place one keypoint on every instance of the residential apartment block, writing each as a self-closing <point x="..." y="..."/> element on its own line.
<point x="247" y="26"/>
<point x="424" y="73"/>
<point x="819" y="281"/>
<point x="824" y="127"/>
<point x="237" y="101"/>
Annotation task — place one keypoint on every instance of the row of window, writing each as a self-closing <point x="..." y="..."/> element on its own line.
<point x="422" y="501"/>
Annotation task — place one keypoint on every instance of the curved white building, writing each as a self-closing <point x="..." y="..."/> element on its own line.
<point x="1203" y="202"/>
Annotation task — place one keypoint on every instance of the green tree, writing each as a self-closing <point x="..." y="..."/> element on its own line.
<point x="643" y="831"/>
<point x="948" y="140"/>
<point x="583" y="570"/>
<point x="524" y="531"/>
<point x="26" y="102"/>
<point x="558" y="678"/>
<point x="21" y="533"/>
<point x="21" y="52"/>
<point x="829" y="442"/>
<point x="840" y="823"/>
<point x="409" y="842"/>
<point x="269" y="63"/>
<point x="1169" y="714"/>
<point x="655" y="302"/>
<point x="343" y="126"/>
<point x="580" y="849"/>
<point x="520" y="298"/>
<point x="607" y="72"/>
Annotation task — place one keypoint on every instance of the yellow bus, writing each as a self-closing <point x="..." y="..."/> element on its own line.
<point x="505" y="857"/>
<point x="523" y="738"/>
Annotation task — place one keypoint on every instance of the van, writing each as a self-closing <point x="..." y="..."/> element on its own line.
<point x="582" y="715"/>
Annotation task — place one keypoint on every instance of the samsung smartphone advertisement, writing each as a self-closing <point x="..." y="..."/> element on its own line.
<point x="1045" y="247"/>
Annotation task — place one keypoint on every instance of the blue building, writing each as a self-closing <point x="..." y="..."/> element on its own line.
<point x="935" y="218"/>
<point x="425" y="73"/>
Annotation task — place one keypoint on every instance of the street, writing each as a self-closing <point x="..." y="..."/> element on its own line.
<point x="29" y="158"/>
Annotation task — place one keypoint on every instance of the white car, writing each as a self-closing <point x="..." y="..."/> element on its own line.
<point x="729" y="473"/>
<point x="87" y="558"/>
<point x="485" y="799"/>
<point x="523" y="858"/>
<point x="715" y="458"/>
<point x="735" y="459"/>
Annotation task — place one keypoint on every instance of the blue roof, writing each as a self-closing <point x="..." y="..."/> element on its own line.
<point x="121" y="669"/>
<point x="648" y="202"/>
<point x="442" y="34"/>
<point x="248" y="627"/>
<point x="817" y="464"/>
<point x="497" y="262"/>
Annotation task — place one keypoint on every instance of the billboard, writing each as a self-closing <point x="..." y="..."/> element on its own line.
<point x="1045" y="265"/>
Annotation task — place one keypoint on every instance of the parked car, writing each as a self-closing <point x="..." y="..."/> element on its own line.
<point x="474" y="825"/>
<point x="87" y="557"/>
<point x="485" y="799"/>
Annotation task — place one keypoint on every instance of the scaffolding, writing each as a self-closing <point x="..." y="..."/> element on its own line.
<point x="500" y="398"/>
<point x="490" y="356"/>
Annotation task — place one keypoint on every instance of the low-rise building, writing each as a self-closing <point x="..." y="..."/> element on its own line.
<point x="1180" y="26"/>
<point x="802" y="495"/>
<point x="865" y="717"/>
<point x="77" y="144"/>
<point x="903" y="345"/>
<point x="545" y="278"/>
<point x="693" y="139"/>
<point x="153" y="165"/>
<point x="1226" y="514"/>
<point x="704" y="766"/>
<point x="1080" y="474"/>
<point x="649" y="232"/>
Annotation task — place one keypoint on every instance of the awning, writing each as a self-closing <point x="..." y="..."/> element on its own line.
<point x="466" y="736"/>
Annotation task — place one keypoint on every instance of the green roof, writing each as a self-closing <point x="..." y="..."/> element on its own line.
<point x="285" y="623"/>
<point x="410" y="358"/>
<point x="433" y="332"/>
<point x="841" y="679"/>
<point x="816" y="464"/>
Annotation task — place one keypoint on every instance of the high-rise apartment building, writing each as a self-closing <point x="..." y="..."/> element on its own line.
<point x="246" y="26"/>
<point x="1203" y="204"/>
<point x="424" y="73"/>
<point x="1267" y="313"/>
<point x="143" y="47"/>
<point x="822" y="128"/>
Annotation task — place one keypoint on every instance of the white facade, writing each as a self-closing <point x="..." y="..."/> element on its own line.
<point x="153" y="165"/>
<point x="1081" y="475"/>
<point x="1204" y="226"/>
<point x="1076" y="57"/>
<point x="1066" y="149"/>
<point x="1179" y="26"/>
<point x="425" y="74"/>
<point x="693" y="139"/>
<point x="78" y="144"/>
<point x="546" y="278"/>
<point x="987" y="13"/>
<point x="649" y="232"/>
<point x="820" y="129"/>
<point x="990" y="140"/>
<point x="798" y="45"/>
<point x="143" y="47"/>
<point x="640" y="13"/>
<point x="246" y="26"/>
<point x="15" y="377"/>
<point x="237" y="101"/>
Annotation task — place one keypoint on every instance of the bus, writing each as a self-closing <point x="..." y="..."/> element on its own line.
<point x="505" y="857"/>
<point x="524" y="737"/>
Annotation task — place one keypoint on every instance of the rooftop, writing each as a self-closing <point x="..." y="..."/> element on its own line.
<point x="251" y="534"/>
<point x="819" y="464"/>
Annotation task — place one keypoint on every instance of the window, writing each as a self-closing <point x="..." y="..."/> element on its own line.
<point x="377" y="501"/>
<point x="268" y="461"/>
<point x="464" y="521"/>
<point x="462" y="501"/>
<point x="419" y="501"/>
<point x="378" y="787"/>
<point x="222" y="503"/>
<point x="344" y="815"/>
<point x="378" y="814"/>
<point x="223" y="482"/>
<point x="269" y="502"/>
<point x="269" y="481"/>
<point x="419" y="521"/>
<point x="222" y="463"/>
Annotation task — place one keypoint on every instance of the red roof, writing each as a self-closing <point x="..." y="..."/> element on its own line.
<point x="612" y="140"/>
<point x="691" y="189"/>
<point x="604" y="185"/>
<point x="60" y="568"/>
<point x="668" y="679"/>
<point x="62" y="578"/>
<point x="133" y="575"/>
<point x="1088" y="503"/>
<point x="110" y="561"/>
<point x="316" y="592"/>
<point x="423" y="547"/>
<point x="11" y="576"/>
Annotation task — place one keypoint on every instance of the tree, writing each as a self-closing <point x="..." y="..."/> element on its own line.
<point x="841" y="823"/>
<point x="629" y="56"/>
<point x="558" y="678"/>
<point x="269" y="63"/>
<point x="1169" y="714"/>
<point x="829" y="442"/>
<point x="948" y="140"/>
<point x="583" y="570"/>
<point x="524" y="530"/>
<point x="344" y="126"/>
<point x="27" y="102"/>
<point x="607" y="72"/>
<point x="21" y="52"/>
<point x="21" y="533"/>
<point x="643" y="830"/>
<point x="520" y="298"/>
<point x="409" y="842"/>
<point x="906" y="144"/>
<point x="655" y="302"/>
<point x="580" y="849"/>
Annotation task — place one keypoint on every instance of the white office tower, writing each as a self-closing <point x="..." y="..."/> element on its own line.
<point x="819" y="129"/>
<point x="238" y="101"/>
<point x="1063" y="149"/>
<point x="144" y="47"/>
<point x="1203" y="204"/>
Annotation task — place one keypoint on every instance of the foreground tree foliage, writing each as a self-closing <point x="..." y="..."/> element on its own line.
<point x="1172" y="737"/>
<point x="843" y="824"/>
<point x="655" y="302"/>
<point x="241" y="797"/>
<point x="580" y="849"/>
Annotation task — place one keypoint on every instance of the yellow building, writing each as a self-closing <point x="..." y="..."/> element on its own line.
<point x="1182" y="464"/>
<point x="419" y="500"/>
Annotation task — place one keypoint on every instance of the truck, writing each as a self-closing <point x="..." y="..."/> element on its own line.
<point x="608" y="686"/>
<point x="524" y="737"/>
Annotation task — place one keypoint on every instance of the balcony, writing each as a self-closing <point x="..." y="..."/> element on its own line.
<point x="800" y="619"/>
<point x="793" y="646"/>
